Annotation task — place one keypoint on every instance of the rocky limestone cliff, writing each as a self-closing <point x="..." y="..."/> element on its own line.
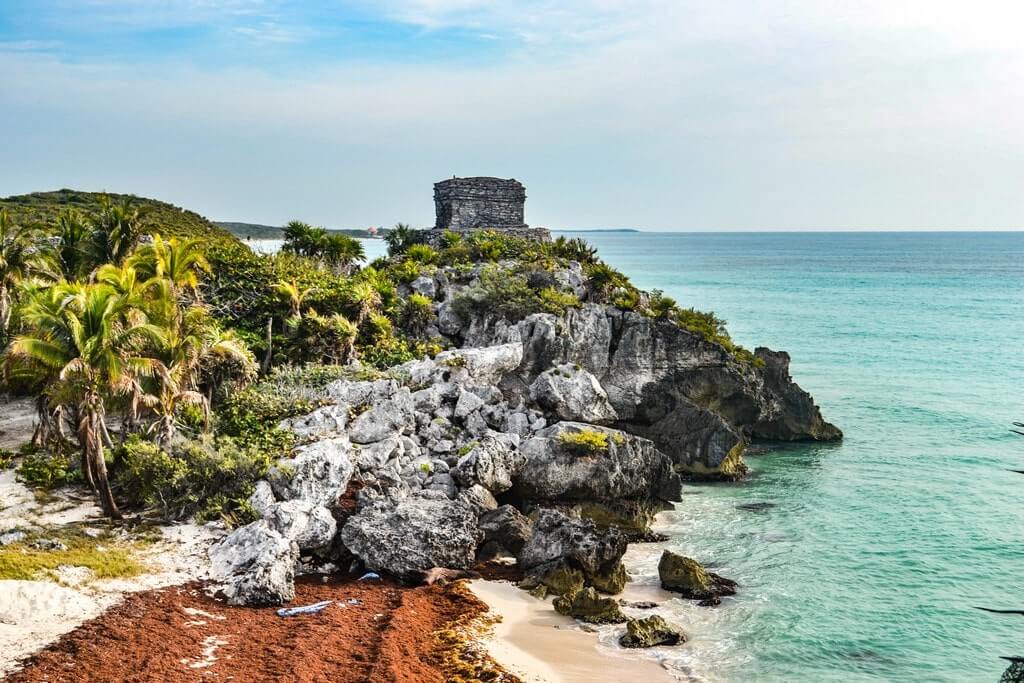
<point x="692" y="397"/>
<point x="554" y="440"/>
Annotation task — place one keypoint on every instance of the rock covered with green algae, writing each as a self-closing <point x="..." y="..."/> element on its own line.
<point x="564" y="553"/>
<point x="689" y="578"/>
<point x="651" y="632"/>
<point x="586" y="605"/>
<point x="557" y="578"/>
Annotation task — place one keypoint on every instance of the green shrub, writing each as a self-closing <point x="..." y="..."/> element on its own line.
<point x="423" y="254"/>
<point x="404" y="271"/>
<point x="575" y="249"/>
<point x="6" y="458"/>
<point x="552" y="300"/>
<point x="627" y="299"/>
<point x="208" y="478"/>
<point x="46" y="471"/>
<point x="417" y="313"/>
<point x="584" y="443"/>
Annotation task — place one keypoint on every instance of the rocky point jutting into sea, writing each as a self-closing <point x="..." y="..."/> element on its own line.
<point x="553" y="440"/>
<point x="550" y="411"/>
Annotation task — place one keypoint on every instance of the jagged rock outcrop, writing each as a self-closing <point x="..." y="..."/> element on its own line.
<point x="405" y="537"/>
<point x="505" y="532"/>
<point x="573" y="394"/>
<point x="493" y="463"/>
<point x="692" y="397"/>
<point x="255" y="565"/>
<point x="629" y="467"/>
<point x="310" y="526"/>
<point x="798" y="418"/>
<point x="560" y="545"/>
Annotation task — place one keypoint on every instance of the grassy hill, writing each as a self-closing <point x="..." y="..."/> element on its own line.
<point x="41" y="209"/>
<point x="256" y="231"/>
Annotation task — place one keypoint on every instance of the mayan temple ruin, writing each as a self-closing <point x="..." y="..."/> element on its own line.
<point x="483" y="203"/>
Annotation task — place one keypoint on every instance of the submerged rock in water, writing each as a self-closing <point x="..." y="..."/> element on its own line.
<point x="756" y="506"/>
<point x="650" y="632"/>
<point x="586" y="605"/>
<point x="255" y="565"/>
<point x="410" y="536"/>
<point x="689" y="578"/>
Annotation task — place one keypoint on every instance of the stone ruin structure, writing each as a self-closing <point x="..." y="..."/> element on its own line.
<point x="465" y="204"/>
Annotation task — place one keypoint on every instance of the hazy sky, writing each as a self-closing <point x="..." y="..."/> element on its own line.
<point x="657" y="114"/>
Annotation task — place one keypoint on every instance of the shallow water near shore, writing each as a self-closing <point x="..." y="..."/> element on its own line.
<point x="870" y="558"/>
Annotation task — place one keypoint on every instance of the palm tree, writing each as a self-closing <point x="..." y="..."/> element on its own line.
<point x="23" y="257"/>
<point x="82" y="342"/>
<point x="74" y="257"/>
<point x="116" y="230"/>
<point x="179" y="261"/>
<point x="342" y="251"/>
<point x="226" y="362"/>
<point x="400" y="238"/>
<point x="333" y="336"/>
<point x="191" y="340"/>
<point x="303" y="239"/>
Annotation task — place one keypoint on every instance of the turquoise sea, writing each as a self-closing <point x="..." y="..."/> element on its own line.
<point x="869" y="563"/>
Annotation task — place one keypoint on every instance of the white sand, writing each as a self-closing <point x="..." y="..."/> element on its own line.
<point x="541" y="646"/>
<point x="35" y="613"/>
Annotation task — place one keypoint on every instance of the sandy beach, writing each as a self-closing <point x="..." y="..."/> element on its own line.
<point x="541" y="646"/>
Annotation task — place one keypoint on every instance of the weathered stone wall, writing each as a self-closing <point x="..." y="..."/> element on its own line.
<point x="434" y="237"/>
<point x="474" y="203"/>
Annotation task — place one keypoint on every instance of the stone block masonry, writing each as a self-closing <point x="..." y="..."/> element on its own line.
<point x="479" y="203"/>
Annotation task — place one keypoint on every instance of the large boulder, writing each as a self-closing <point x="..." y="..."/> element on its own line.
<point x="484" y="364"/>
<point x="255" y="565"/>
<point x="406" y="537"/>
<point x="493" y="463"/>
<point x="572" y="393"/>
<point x="505" y="531"/>
<point x="356" y="393"/>
<point x="559" y="543"/>
<point x="650" y="632"/>
<point x="586" y="605"/>
<point x="322" y="422"/>
<point x="558" y="464"/>
<point x="688" y="577"/>
<point x="384" y="418"/>
<point x="318" y="473"/>
<point x="309" y="525"/>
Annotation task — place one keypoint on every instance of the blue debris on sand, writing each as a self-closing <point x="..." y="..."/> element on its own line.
<point x="308" y="609"/>
<point x="369" y="576"/>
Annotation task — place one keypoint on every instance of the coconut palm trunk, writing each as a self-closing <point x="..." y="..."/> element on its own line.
<point x="90" y="437"/>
